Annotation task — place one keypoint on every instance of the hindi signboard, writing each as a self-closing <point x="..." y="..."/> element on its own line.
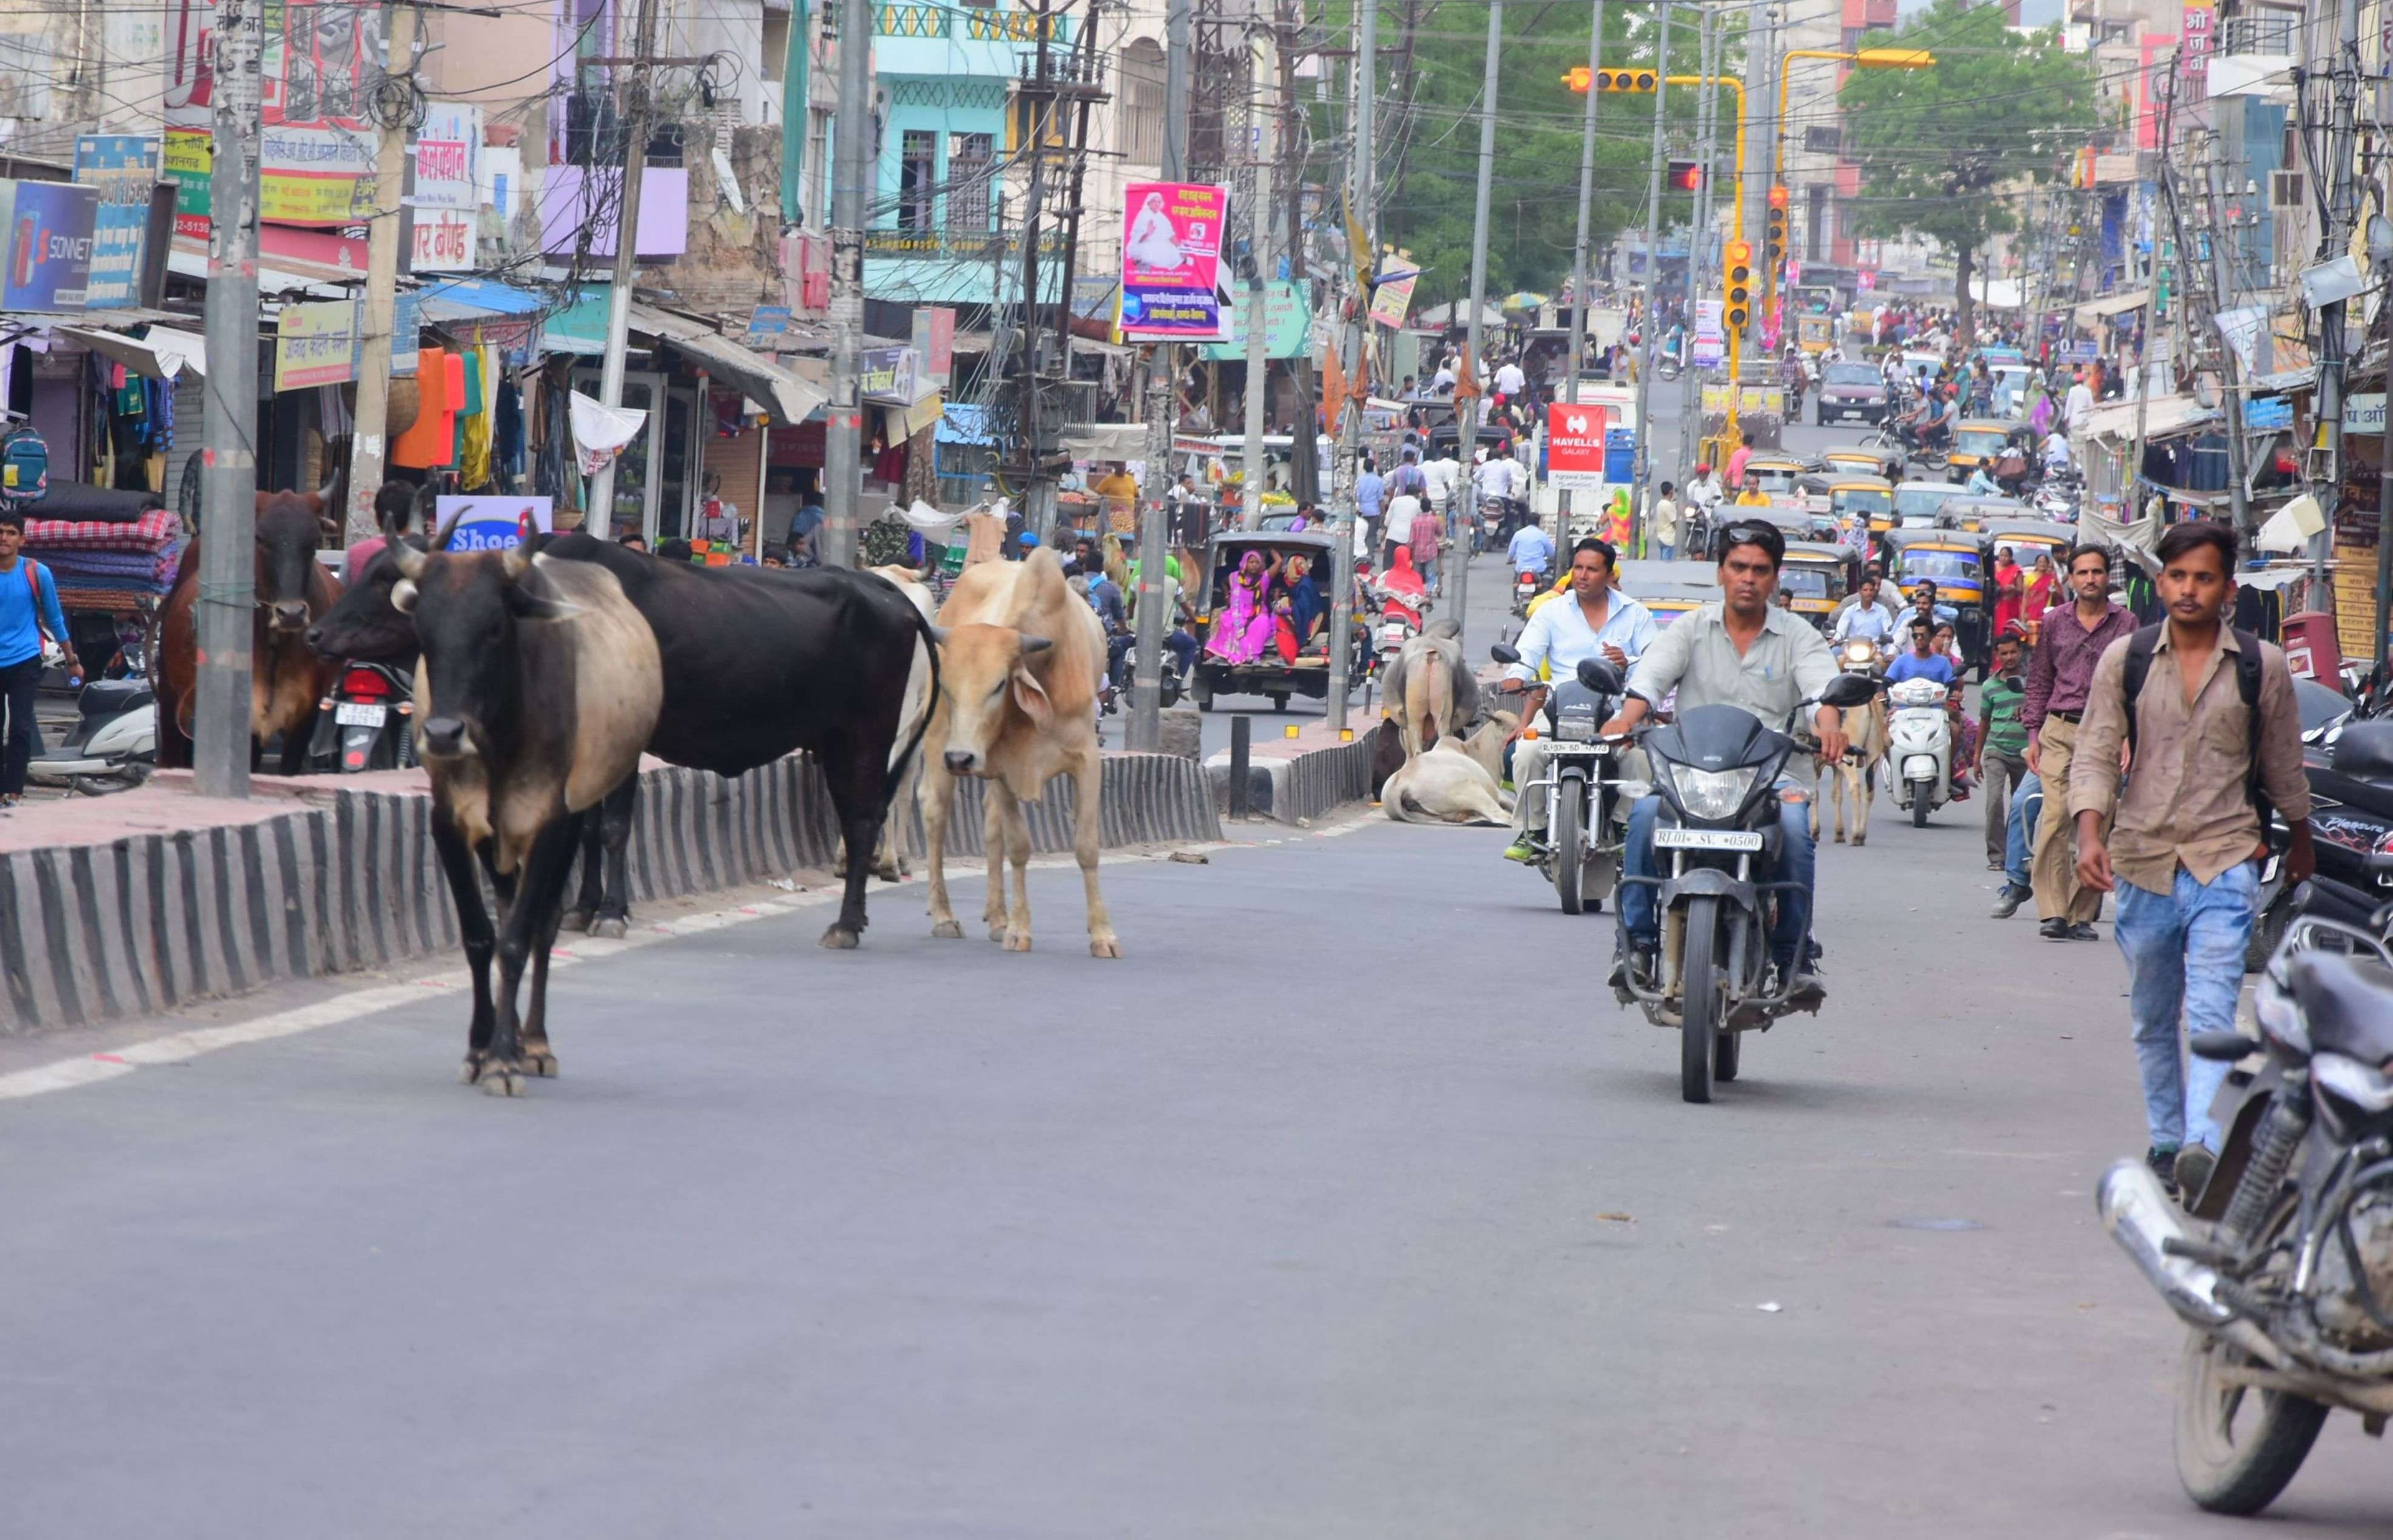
<point x="316" y="345"/>
<point x="121" y="168"/>
<point x="1171" y="261"/>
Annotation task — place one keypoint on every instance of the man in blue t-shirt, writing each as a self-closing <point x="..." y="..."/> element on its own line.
<point x="29" y="606"/>
<point x="1922" y="661"/>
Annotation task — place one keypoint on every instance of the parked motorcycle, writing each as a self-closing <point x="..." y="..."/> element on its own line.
<point x="2283" y="1267"/>
<point x="365" y="723"/>
<point x="1586" y="818"/>
<point x="113" y="744"/>
<point x="1716" y="769"/>
<point x="1919" y="753"/>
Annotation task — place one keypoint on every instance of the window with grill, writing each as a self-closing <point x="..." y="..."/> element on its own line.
<point x="1142" y="111"/>
<point x="918" y="178"/>
<point x="970" y="157"/>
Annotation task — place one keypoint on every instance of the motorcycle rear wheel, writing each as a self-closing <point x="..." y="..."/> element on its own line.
<point x="2237" y="1447"/>
<point x="1570" y="845"/>
<point x="1699" y="1014"/>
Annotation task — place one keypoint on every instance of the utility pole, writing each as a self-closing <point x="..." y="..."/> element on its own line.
<point x="1586" y="198"/>
<point x="1304" y="453"/>
<point x="2231" y="394"/>
<point x="1363" y="159"/>
<point x="1155" y="521"/>
<point x="627" y="252"/>
<point x="1250" y="454"/>
<point x="851" y="189"/>
<point x="1643" y="470"/>
<point x="1707" y="48"/>
<point x="2323" y="467"/>
<point x="1039" y="499"/>
<point x="1760" y="100"/>
<point x="1462" y="504"/>
<point x="228" y="458"/>
<point x="367" y="448"/>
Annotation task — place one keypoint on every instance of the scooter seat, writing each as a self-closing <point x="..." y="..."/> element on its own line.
<point x="2348" y="1004"/>
<point x="107" y="696"/>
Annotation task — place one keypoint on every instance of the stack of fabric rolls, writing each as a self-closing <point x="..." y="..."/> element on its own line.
<point x="108" y="563"/>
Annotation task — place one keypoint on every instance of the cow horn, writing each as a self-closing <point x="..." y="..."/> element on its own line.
<point x="402" y="597"/>
<point x="517" y="560"/>
<point x="407" y="558"/>
<point x="1036" y="644"/>
<point x="448" y="530"/>
<point x="324" y="493"/>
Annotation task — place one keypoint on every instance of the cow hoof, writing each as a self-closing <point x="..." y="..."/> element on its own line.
<point x="610" y="927"/>
<point x="948" y="930"/>
<point x="471" y="1070"/>
<point x="839" y="938"/>
<point x="540" y="1063"/>
<point x="1858" y="842"/>
<point x="576" y="920"/>
<point x="997" y="930"/>
<point x="890" y="873"/>
<point x="1840" y="839"/>
<point x="1104" y="946"/>
<point x="1017" y="941"/>
<point x="502" y="1081"/>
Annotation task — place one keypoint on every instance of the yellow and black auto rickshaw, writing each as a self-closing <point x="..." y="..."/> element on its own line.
<point x="1819" y="575"/>
<point x="1955" y="564"/>
<point x="1976" y="441"/>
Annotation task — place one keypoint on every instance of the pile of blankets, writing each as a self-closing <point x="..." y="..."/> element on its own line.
<point x="108" y="565"/>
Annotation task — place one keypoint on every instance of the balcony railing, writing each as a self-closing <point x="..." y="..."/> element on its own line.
<point x="2276" y="33"/>
<point x="979" y="24"/>
<point x="951" y="245"/>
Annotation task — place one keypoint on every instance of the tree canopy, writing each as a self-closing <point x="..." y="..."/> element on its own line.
<point x="1943" y="149"/>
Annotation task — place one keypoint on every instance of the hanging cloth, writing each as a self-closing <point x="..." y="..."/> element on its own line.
<point x="474" y="459"/>
<point x="507" y="433"/>
<point x="600" y="431"/>
<point x="465" y="390"/>
<point x="425" y="442"/>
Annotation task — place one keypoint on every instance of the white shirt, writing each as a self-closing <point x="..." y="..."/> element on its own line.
<point x="1510" y="380"/>
<point x="1401" y="510"/>
<point x="1443" y="379"/>
<point x="1442" y="472"/>
<point x="1494" y="478"/>
<point x="2079" y="407"/>
<point x="1666" y="522"/>
<point x="1557" y="635"/>
<point x="1870" y="622"/>
<point x="1703" y="492"/>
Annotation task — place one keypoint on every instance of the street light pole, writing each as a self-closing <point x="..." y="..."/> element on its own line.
<point x="1641" y="467"/>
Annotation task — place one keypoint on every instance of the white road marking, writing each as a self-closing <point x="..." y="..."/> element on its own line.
<point x="177" y="1047"/>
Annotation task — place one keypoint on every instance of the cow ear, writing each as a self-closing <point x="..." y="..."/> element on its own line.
<point x="1032" y="697"/>
<point x="525" y="605"/>
<point x="402" y="597"/>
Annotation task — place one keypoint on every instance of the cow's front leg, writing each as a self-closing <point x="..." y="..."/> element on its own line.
<point x="997" y="839"/>
<point x="1088" y="835"/>
<point x="1017" y="852"/>
<point x="530" y="919"/>
<point x="936" y="791"/>
<point x="464" y="879"/>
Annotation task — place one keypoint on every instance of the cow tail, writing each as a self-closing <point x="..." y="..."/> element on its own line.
<point x="930" y="705"/>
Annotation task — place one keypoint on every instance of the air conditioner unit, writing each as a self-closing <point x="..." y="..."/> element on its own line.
<point x="2287" y="190"/>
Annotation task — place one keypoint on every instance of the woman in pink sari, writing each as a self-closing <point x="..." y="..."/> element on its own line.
<point x="1244" y="628"/>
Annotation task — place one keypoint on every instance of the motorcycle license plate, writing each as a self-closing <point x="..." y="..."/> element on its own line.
<point x="1707" y="839"/>
<point x="352" y="713"/>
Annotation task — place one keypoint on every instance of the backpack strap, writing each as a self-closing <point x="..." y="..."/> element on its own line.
<point x="2131" y="681"/>
<point x="2248" y="663"/>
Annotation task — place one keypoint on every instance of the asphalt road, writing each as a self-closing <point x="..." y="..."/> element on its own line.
<point x="1347" y="1204"/>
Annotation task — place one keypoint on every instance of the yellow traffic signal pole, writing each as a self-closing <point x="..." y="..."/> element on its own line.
<point x="1865" y="59"/>
<point x="1736" y="233"/>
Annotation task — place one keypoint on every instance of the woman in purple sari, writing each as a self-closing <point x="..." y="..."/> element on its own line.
<point x="1243" y="629"/>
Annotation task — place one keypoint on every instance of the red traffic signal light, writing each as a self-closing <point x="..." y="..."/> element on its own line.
<point x="1580" y="78"/>
<point x="1778" y="197"/>
<point x="1686" y="176"/>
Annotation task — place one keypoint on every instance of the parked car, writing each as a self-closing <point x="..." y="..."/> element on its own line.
<point x="1851" y="390"/>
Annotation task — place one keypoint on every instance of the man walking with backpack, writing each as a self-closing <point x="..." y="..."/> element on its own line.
<point x="2207" y="716"/>
<point x="2075" y="633"/>
<point x="29" y="617"/>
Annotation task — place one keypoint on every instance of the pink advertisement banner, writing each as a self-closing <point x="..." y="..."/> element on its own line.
<point x="1171" y="260"/>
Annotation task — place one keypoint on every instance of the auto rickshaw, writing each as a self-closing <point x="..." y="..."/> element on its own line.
<point x="1977" y="442"/>
<point x="1971" y="515"/>
<point x="1817" y="334"/>
<point x="1776" y="475"/>
<point x="1953" y="562"/>
<point x="1270" y="674"/>
<point x="1851" y="462"/>
<point x="1669" y="588"/>
<point x="1820" y="574"/>
<point x="1916" y="504"/>
<point x="2028" y="539"/>
<point x="1864" y="497"/>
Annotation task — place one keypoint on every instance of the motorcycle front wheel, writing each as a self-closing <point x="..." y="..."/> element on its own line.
<point x="2237" y="1446"/>
<point x="1699" y="985"/>
<point x="1569" y="835"/>
<point x="1922" y="793"/>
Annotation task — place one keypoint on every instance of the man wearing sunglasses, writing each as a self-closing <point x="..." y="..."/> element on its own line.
<point x="1742" y="652"/>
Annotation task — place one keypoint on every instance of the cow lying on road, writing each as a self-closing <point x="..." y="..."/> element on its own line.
<point x="1021" y="662"/>
<point x="1447" y="784"/>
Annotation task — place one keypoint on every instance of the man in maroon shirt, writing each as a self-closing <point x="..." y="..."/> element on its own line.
<point x="2058" y="673"/>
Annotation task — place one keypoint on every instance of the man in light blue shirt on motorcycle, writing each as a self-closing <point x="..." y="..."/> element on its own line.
<point x="1741" y="651"/>
<point x="1532" y="550"/>
<point x="1594" y="620"/>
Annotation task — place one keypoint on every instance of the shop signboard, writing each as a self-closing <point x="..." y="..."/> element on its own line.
<point x="121" y="168"/>
<point x="49" y="227"/>
<point x="2270" y="413"/>
<point x="492" y="523"/>
<point x="442" y="202"/>
<point x="2361" y="414"/>
<point x="1391" y="299"/>
<point x="188" y="157"/>
<point x="316" y="345"/>
<point x="316" y="148"/>
<point x="1574" y="446"/>
<point x="1711" y="343"/>
<point x="935" y="340"/>
<point x="768" y="329"/>
<point x="1288" y="323"/>
<point x="1171" y="260"/>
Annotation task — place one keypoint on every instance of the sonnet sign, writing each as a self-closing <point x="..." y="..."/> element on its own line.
<point x="1574" y="445"/>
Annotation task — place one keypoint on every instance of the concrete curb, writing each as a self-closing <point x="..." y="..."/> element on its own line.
<point x="347" y="880"/>
<point x="1299" y="786"/>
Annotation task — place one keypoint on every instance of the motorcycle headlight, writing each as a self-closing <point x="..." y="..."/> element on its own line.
<point x="1712" y="793"/>
<point x="1859" y="654"/>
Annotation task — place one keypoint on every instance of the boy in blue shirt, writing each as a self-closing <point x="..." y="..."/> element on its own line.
<point x="29" y="606"/>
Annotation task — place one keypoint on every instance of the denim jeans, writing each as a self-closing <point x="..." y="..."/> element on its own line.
<point x="2185" y="962"/>
<point x="1637" y="915"/>
<point x="2027" y="804"/>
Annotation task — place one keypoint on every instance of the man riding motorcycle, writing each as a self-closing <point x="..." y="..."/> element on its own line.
<point x="1740" y="651"/>
<point x="1594" y="620"/>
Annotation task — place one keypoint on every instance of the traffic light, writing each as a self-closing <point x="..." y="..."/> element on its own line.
<point x="1773" y="238"/>
<point x="1736" y="284"/>
<point x="1686" y="176"/>
<point x="1632" y="81"/>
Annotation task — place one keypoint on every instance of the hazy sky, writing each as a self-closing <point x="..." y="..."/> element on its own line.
<point x="2032" y="13"/>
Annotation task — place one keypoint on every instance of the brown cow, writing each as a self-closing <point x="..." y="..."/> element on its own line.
<point x="1021" y="659"/>
<point x="287" y="678"/>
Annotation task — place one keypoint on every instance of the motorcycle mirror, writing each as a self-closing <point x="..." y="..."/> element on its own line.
<point x="2220" y="1047"/>
<point x="2382" y="921"/>
<point x="1600" y="675"/>
<point x="1848" y="689"/>
<point x="1504" y="654"/>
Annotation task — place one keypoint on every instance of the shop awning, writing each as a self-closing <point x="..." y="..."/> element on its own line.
<point x="162" y="354"/>
<point x="462" y="299"/>
<point x="2164" y="417"/>
<point x="2113" y="304"/>
<point x="1104" y="440"/>
<point x="787" y="399"/>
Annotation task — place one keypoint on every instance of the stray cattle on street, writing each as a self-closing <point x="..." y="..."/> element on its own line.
<point x="1856" y="773"/>
<point x="889" y="861"/>
<point x="1022" y="657"/>
<point x="1448" y="785"/>
<point x="286" y="678"/>
<point x="1428" y="690"/>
